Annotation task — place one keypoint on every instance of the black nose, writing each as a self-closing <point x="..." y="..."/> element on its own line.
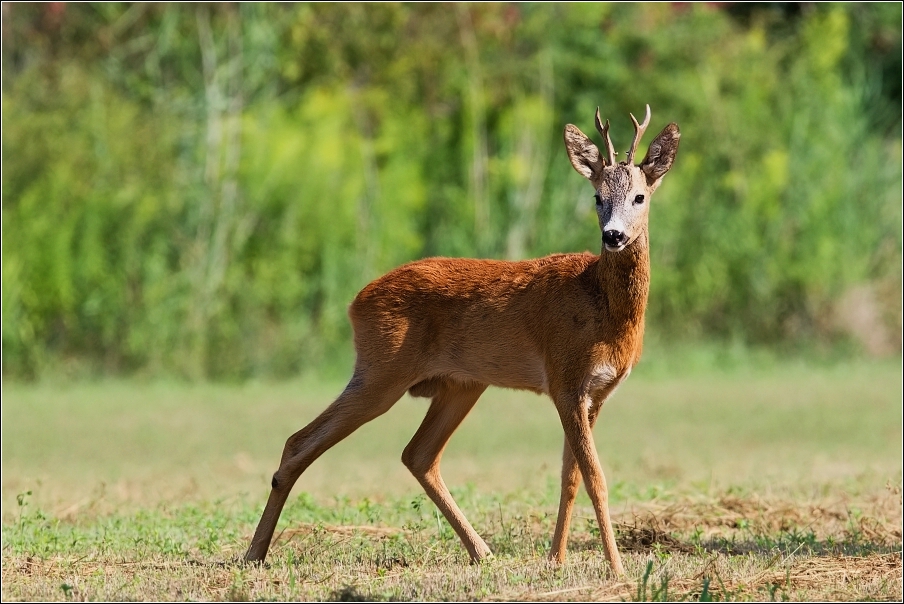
<point x="613" y="238"/>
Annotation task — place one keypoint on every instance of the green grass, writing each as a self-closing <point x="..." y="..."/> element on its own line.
<point x="735" y="484"/>
<point x="796" y="427"/>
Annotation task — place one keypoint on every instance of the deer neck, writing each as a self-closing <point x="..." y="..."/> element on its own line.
<point x="624" y="281"/>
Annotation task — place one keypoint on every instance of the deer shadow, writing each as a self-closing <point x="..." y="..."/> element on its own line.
<point x="647" y="539"/>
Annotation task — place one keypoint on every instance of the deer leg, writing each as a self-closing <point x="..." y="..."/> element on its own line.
<point x="361" y="401"/>
<point x="422" y="456"/>
<point x="576" y="423"/>
<point x="571" y="480"/>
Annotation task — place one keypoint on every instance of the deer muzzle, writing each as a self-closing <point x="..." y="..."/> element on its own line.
<point x="614" y="239"/>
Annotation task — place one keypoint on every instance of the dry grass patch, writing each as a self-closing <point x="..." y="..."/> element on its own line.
<point x="875" y="519"/>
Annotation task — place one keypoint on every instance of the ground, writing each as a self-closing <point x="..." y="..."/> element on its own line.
<point x="779" y="482"/>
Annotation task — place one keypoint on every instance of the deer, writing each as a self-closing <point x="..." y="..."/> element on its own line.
<point x="569" y="326"/>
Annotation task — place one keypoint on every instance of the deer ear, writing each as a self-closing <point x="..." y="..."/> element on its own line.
<point x="584" y="155"/>
<point x="661" y="153"/>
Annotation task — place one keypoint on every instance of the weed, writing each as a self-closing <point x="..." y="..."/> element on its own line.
<point x="642" y="584"/>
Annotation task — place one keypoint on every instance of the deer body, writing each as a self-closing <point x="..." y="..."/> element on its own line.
<point x="567" y="325"/>
<point x="498" y="323"/>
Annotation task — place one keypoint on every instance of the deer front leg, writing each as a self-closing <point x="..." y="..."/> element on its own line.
<point x="574" y="414"/>
<point x="451" y="403"/>
<point x="571" y="480"/>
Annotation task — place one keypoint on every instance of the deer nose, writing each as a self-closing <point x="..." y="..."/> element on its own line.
<point x="613" y="238"/>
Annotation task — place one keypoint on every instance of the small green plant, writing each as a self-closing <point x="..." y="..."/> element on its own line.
<point x="592" y="527"/>
<point x="22" y="503"/>
<point x="642" y="584"/>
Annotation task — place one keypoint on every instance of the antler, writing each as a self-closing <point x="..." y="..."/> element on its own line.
<point x="639" y="129"/>
<point x="604" y="130"/>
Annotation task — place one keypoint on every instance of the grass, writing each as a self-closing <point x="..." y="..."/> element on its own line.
<point x="770" y="483"/>
<point x="727" y="548"/>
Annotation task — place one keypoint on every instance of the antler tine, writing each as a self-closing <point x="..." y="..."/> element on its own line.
<point x="604" y="130"/>
<point x="639" y="129"/>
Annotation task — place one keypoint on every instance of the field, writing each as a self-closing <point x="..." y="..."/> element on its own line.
<point x="779" y="482"/>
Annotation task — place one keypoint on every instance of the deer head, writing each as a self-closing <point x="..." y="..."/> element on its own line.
<point x="623" y="190"/>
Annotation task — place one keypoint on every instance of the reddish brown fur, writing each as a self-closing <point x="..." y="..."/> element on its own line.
<point x="500" y="323"/>
<point x="568" y="325"/>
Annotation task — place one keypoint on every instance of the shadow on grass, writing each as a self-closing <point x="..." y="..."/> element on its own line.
<point x="647" y="539"/>
<point x="796" y="543"/>
<point x="350" y="593"/>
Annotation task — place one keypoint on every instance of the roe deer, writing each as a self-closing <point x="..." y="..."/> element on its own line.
<point x="568" y="325"/>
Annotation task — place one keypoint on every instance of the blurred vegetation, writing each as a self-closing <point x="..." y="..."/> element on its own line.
<point x="201" y="190"/>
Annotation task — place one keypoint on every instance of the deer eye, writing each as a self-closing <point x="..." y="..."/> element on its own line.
<point x="599" y="200"/>
<point x="638" y="200"/>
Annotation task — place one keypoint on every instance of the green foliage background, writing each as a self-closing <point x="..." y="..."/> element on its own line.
<point x="201" y="190"/>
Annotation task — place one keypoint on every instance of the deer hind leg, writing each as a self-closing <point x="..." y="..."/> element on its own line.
<point x="575" y="418"/>
<point x="451" y="403"/>
<point x="364" y="399"/>
<point x="571" y="480"/>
